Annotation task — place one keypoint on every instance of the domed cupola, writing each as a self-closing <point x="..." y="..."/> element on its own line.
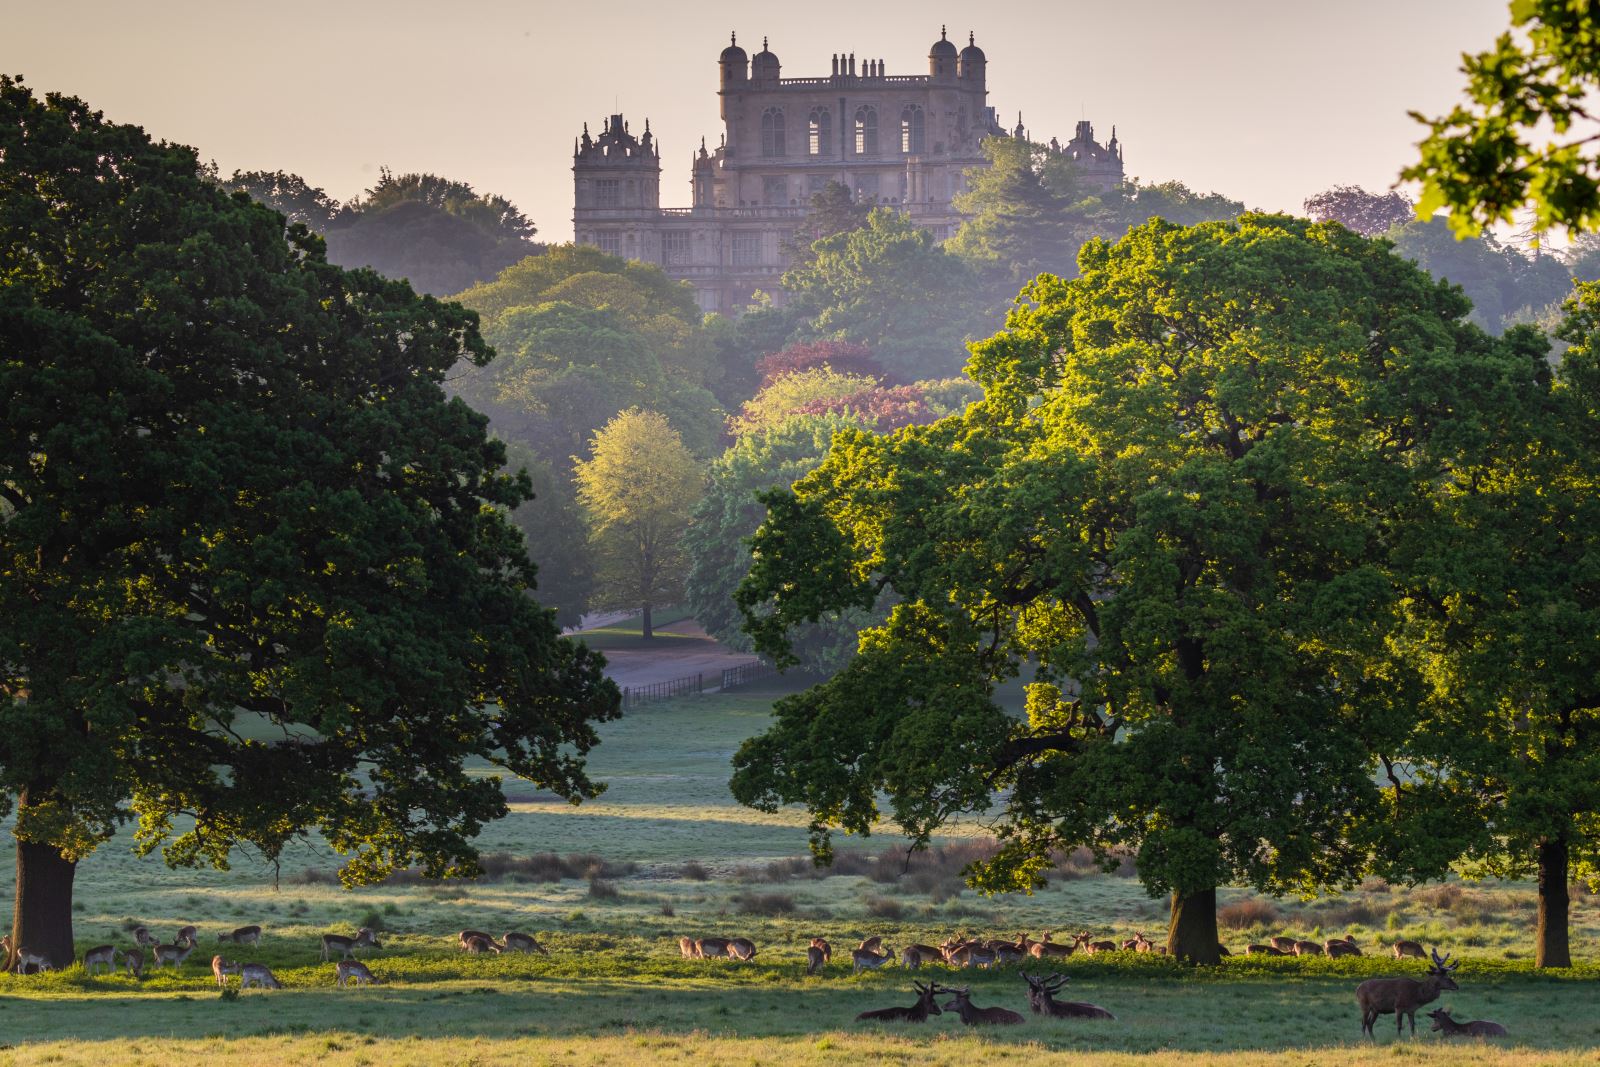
<point x="764" y="67"/>
<point x="734" y="62"/>
<point x="942" y="57"/>
<point x="972" y="63"/>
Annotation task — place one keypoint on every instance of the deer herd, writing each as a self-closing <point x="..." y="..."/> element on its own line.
<point x="1399" y="996"/>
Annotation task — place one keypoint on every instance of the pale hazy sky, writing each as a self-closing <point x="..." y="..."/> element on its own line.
<point x="1265" y="100"/>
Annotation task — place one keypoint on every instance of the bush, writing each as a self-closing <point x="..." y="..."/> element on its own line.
<point x="694" y="872"/>
<point x="667" y="909"/>
<point x="884" y="908"/>
<point x="764" y="904"/>
<point x="1251" y="911"/>
<point x="602" y="890"/>
<point x="1440" y="897"/>
<point x="373" y="920"/>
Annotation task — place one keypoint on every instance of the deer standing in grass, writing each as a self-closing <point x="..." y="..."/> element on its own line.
<point x="976" y="1016"/>
<point x="134" y="962"/>
<point x="871" y="944"/>
<point x="466" y="937"/>
<point x="1284" y="945"/>
<point x="223" y="967"/>
<point x="741" y="948"/>
<point x="1041" y="998"/>
<point x="1307" y="948"/>
<point x="354" y="971"/>
<point x="1476" y="1028"/>
<point x="708" y="947"/>
<point x="100" y="956"/>
<point x="815" y="960"/>
<point x="479" y="946"/>
<point x="255" y="974"/>
<point x="142" y="937"/>
<point x="917" y="1013"/>
<point x="515" y="942"/>
<point x="174" y="954"/>
<point x="1341" y="946"/>
<point x="1401" y="997"/>
<point x="26" y="958"/>
<point x="821" y="945"/>
<point x="186" y="933"/>
<point x="688" y="949"/>
<point x="347" y="946"/>
<point x="867" y="960"/>
<point x="245" y="935"/>
<point x="1402" y="949"/>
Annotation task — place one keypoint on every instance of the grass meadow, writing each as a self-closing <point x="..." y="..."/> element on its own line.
<point x="611" y="885"/>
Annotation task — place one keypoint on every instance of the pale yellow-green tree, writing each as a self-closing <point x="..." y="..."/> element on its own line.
<point x="639" y="487"/>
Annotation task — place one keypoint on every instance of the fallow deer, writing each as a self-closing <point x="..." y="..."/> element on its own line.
<point x="1131" y="944"/>
<point x="976" y="1016"/>
<point x="917" y="1013"/>
<point x="1307" y="948"/>
<point x="515" y="942"/>
<point x="866" y="960"/>
<point x="871" y="944"/>
<point x="26" y="958"/>
<point x="245" y="935"/>
<point x="1041" y="998"/>
<point x="709" y="947"/>
<point x="1401" y="997"/>
<point x="1263" y="950"/>
<point x="256" y="974"/>
<point x="821" y="945"/>
<point x="1142" y="943"/>
<point x="1413" y="949"/>
<point x="815" y="960"/>
<point x="1092" y="947"/>
<point x="1477" y="1028"/>
<point x="1283" y="944"/>
<point x="100" y="956"/>
<point x="972" y="955"/>
<point x="911" y="958"/>
<point x="174" y="953"/>
<point x="186" y="933"/>
<point x="354" y="971"/>
<point x="221" y="968"/>
<point x="479" y="946"/>
<point x="5" y="953"/>
<point x="1010" y="951"/>
<point x="1340" y="946"/>
<point x="741" y="948"/>
<point x="143" y="938"/>
<point x="133" y="961"/>
<point x="688" y="949"/>
<point x="466" y="937"/>
<point x="1046" y="948"/>
<point x="347" y="946"/>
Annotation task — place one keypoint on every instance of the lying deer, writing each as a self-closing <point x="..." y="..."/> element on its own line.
<point x="974" y="1016"/>
<point x="515" y="942"/>
<point x="1041" y="998"/>
<point x="1263" y="950"/>
<point x="101" y="956"/>
<point x="174" y="954"/>
<point x="354" y="971"/>
<point x="1478" y="1028"/>
<point x="245" y="935"/>
<point x="741" y="948"/>
<point x="708" y="947"/>
<point x="1401" y="997"/>
<point x="255" y="974"/>
<point x="223" y="967"/>
<point x="1402" y="949"/>
<point x="1046" y="948"/>
<point x="917" y="1013"/>
<point x="347" y="946"/>
<point x="1081" y="940"/>
<point x="867" y="960"/>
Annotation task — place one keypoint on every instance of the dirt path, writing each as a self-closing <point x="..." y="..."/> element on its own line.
<point x="690" y="651"/>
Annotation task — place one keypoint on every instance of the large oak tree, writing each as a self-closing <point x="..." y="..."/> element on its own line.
<point x="256" y="574"/>
<point x="1176" y="507"/>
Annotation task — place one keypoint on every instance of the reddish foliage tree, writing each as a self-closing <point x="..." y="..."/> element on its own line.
<point x="843" y="357"/>
<point x="881" y="409"/>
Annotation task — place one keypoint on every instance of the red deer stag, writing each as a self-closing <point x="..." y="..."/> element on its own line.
<point x="917" y="1013"/>
<point x="1041" y="998"/>
<point x="1477" y="1028"/>
<point x="976" y="1016"/>
<point x="1401" y="997"/>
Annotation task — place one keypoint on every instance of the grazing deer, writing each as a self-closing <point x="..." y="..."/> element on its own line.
<point x="187" y="933"/>
<point x="26" y="958"/>
<point x="1046" y="948"/>
<point x="1401" y="997"/>
<point x="347" y="946"/>
<point x="515" y="942"/>
<point x="971" y="954"/>
<point x="815" y="960"/>
<point x="708" y="947"/>
<point x="1081" y="940"/>
<point x="255" y="974"/>
<point x="917" y="1013"/>
<point x="975" y="1016"/>
<point x="688" y="948"/>
<point x="911" y="958"/>
<point x="1478" y="1028"/>
<point x="871" y="944"/>
<point x="224" y="967"/>
<point x="134" y="962"/>
<point x="866" y="960"/>
<point x="1041" y="998"/>
<point x="1341" y="946"/>
<point x="1307" y="948"/>
<point x="821" y="945"/>
<point x="741" y="948"/>
<point x="143" y="938"/>
<point x="245" y="935"/>
<point x="478" y="946"/>
<point x="464" y="939"/>
<point x="174" y="954"/>
<point x="1263" y="950"/>
<point x="354" y="971"/>
<point x="100" y="956"/>
<point x="1283" y="944"/>
<point x="1402" y="949"/>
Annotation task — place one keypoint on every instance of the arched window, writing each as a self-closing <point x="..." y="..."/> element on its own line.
<point x="772" y="132"/>
<point x="819" y="131"/>
<point x="912" y="139"/>
<point x="866" y="131"/>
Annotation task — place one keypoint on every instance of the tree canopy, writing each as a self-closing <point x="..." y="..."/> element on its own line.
<point x="258" y="576"/>
<point x="1174" y="508"/>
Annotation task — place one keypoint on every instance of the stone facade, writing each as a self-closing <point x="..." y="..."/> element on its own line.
<point x="901" y="140"/>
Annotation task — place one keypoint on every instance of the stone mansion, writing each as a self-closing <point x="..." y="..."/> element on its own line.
<point x="905" y="140"/>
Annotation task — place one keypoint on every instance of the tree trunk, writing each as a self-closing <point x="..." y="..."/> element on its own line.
<point x="644" y="621"/>
<point x="1552" y="949"/>
<point x="42" y="919"/>
<point x="1192" y="936"/>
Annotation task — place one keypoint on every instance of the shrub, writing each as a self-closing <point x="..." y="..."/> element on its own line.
<point x="602" y="890"/>
<point x="667" y="909"/>
<point x="1440" y="897"/>
<point x="884" y="908"/>
<point x="374" y="920"/>
<point x="694" y="872"/>
<point x="1251" y="911"/>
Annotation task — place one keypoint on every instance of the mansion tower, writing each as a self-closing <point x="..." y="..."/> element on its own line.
<point x="896" y="139"/>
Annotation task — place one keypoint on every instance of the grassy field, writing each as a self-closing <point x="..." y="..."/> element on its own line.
<point x="666" y="852"/>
